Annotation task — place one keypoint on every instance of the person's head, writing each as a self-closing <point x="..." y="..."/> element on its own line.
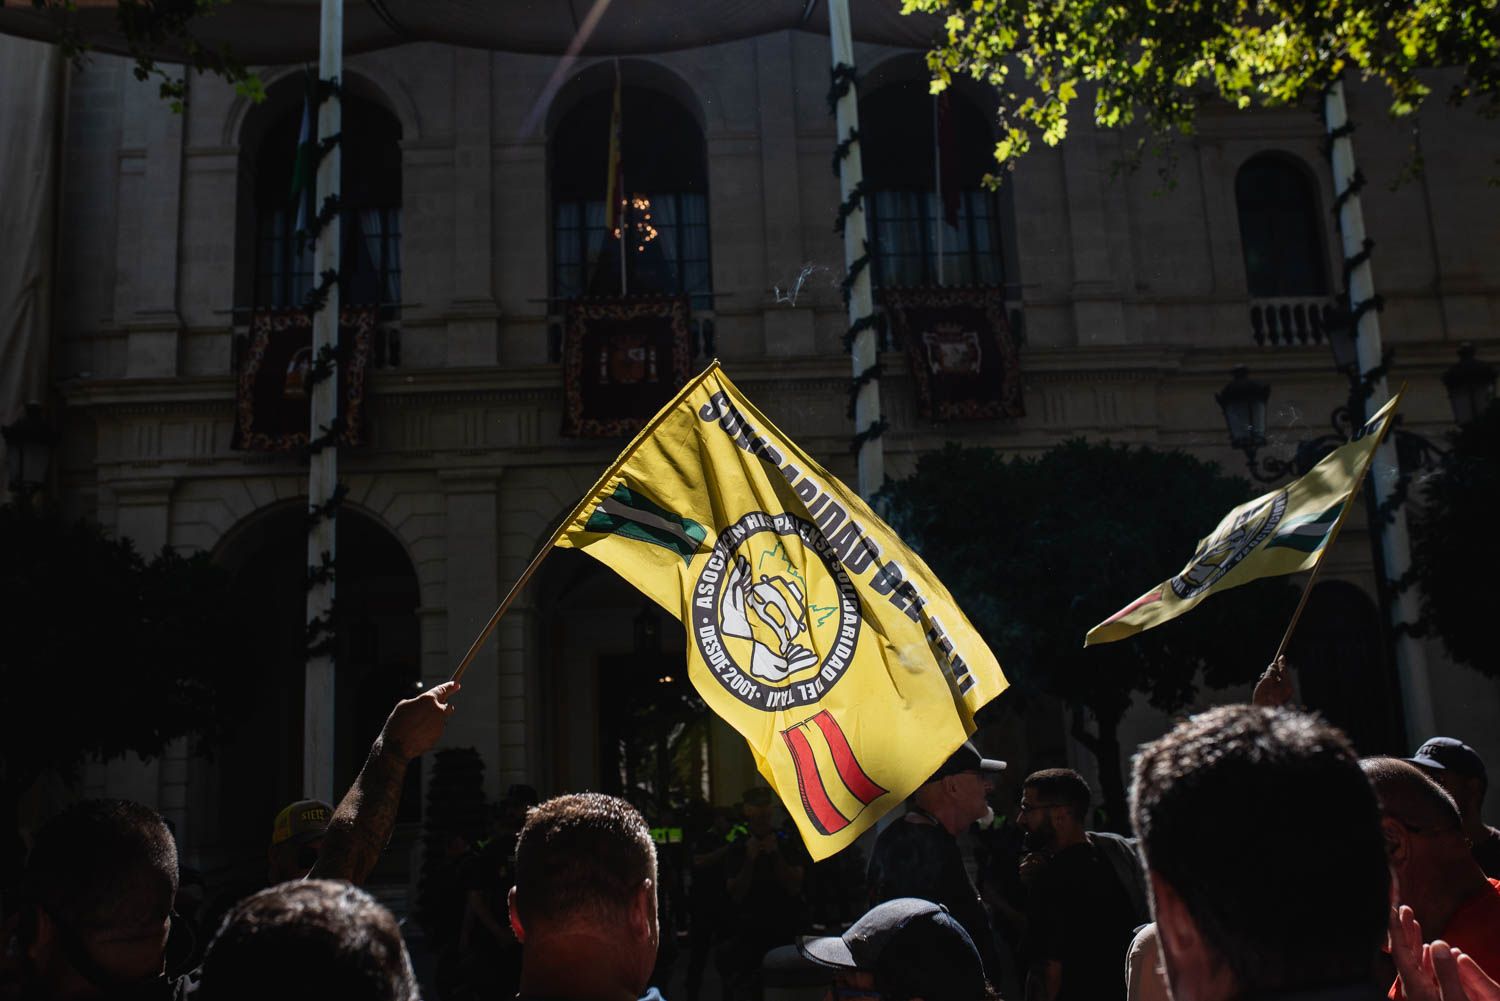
<point x="1424" y="838"/>
<point x="309" y="940"/>
<point x="957" y="794"/>
<point x="98" y="891"/>
<point x="507" y="817"/>
<point x="586" y="865"/>
<point x="1459" y="769"/>
<point x="297" y="838"/>
<point x="1262" y="843"/>
<point x="1054" y="808"/>
<point x="902" y="950"/>
<point x="760" y="811"/>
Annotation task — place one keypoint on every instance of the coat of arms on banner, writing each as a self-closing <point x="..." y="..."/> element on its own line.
<point x="622" y="360"/>
<point x="963" y="357"/>
<point x="272" y="406"/>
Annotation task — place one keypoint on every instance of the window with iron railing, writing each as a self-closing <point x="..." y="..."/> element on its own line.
<point x="1281" y="236"/>
<point x="905" y="135"/>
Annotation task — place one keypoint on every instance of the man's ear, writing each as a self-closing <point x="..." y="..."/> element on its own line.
<point x="1175" y="927"/>
<point x="643" y="924"/>
<point x="515" y="917"/>
<point x="1397" y="843"/>
<point x="43" y="934"/>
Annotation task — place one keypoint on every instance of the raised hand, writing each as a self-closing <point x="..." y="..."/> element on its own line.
<point x="416" y="725"/>
<point x="1274" y="689"/>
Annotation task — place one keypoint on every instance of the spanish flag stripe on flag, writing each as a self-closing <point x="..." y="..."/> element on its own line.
<point x="810" y="628"/>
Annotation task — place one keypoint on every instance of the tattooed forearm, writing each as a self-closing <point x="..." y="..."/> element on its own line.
<point x="361" y="826"/>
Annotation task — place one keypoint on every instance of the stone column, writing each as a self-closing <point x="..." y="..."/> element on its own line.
<point x="473" y="560"/>
<point x="473" y="326"/>
<point x="1098" y="313"/>
<point x="143" y="511"/>
<point x="153" y="325"/>
<point x="788" y="331"/>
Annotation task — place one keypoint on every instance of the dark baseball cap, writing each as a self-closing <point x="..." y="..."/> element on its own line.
<point x="1445" y="754"/>
<point x="914" y="948"/>
<point x="966" y="759"/>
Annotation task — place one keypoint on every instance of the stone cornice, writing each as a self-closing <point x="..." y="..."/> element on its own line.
<point x="761" y="378"/>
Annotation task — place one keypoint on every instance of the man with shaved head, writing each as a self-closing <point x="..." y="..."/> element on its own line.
<point x="1436" y="874"/>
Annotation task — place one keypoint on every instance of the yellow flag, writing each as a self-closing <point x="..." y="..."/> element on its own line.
<point x="1281" y="532"/>
<point x="811" y="628"/>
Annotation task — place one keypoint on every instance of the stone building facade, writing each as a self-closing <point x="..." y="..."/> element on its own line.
<point x="1132" y="294"/>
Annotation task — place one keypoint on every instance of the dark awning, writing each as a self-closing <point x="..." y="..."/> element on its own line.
<point x="267" y="32"/>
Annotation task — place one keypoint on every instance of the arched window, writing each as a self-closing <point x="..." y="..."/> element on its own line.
<point x="371" y="216"/>
<point x="665" y="171"/>
<point x="1280" y="228"/>
<point x="904" y="131"/>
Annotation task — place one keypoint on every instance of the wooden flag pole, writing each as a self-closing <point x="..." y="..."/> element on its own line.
<point x="588" y="498"/>
<point x="1333" y="533"/>
<point x="510" y="596"/>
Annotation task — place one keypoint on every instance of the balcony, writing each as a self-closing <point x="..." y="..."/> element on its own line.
<point x="1292" y="321"/>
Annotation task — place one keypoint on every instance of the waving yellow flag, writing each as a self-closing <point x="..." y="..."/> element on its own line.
<point x="811" y="628"/>
<point x="1282" y="532"/>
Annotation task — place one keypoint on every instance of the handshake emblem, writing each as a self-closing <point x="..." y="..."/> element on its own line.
<point x="771" y="613"/>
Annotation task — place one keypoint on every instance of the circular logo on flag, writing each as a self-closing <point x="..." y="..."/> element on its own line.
<point x="1223" y="551"/>
<point x="775" y="615"/>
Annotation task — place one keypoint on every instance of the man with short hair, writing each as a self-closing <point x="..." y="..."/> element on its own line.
<point x="1436" y="874"/>
<point x="297" y="839"/>
<point x="309" y="940"/>
<point x="97" y="899"/>
<point x="1460" y="770"/>
<point x="918" y="854"/>
<point x="902" y="950"/>
<point x="584" y="904"/>
<point x="1264" y="854"/>
<point x="101" y="880"/>
<point x="1080" y="913"/>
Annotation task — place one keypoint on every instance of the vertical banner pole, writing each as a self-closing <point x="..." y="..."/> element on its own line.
<point x="937" y="187"/>
<point x="621" y="199"/>
<point x="1395" y="544"/>
<point x="322" y="478"/>
<point x="865" y="348"/>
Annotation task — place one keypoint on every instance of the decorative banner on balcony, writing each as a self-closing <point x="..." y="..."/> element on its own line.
<point x="272" y="409"/>
<point x="623" y="359"/>
<point x="963" y="358"/>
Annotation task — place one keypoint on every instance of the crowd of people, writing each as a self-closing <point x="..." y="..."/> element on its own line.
<point x="1269" y="861"/>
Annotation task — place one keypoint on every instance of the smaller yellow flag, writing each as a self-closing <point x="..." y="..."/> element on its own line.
<point x="1281" y="532"/>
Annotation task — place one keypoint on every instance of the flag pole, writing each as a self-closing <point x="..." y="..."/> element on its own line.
<point x="599" y="484"/>
<point x="1392" y="538"/>
<point x="864" y="345"/>
<point x="620" y="196"/>
<point x="1333" y="533"/>
<point x="937" y="187"/>
<point x="510" y="596"/>
<point x="319" y="677"/>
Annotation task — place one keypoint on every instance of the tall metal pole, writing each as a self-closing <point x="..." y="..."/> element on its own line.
<point x="938" y="219"/>
<point x="322" y="478"/>
<point x="865" y="348"/>
<point x="1395" y="544"/>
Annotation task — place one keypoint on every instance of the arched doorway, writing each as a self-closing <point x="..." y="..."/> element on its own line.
<point x="1339" y="654"/>
<point x="258" y="770"/>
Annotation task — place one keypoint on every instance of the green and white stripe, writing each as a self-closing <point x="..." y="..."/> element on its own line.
<point x="1306" y="534"/>
<point x="634" y="516"/>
